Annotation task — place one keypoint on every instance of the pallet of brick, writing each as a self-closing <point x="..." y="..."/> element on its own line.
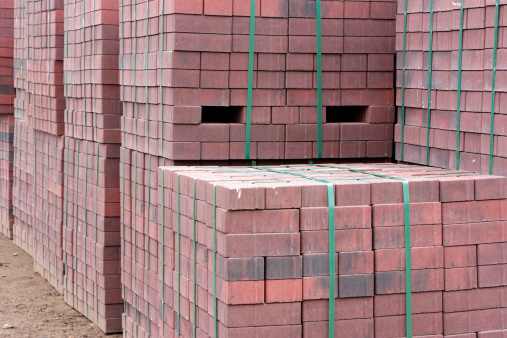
<point x="7" y="94"/>
<point x="47" y="212"/>
<point x="194" y="60"/>
<point x="6" y="174"/>
<point x="448" y="100"/>
<point x="265" y="231"/>
<point x="43" y="38"/>
<point x="23" y="232"/>
<point x="92" y="76"/>
<point x="92" y="280"/>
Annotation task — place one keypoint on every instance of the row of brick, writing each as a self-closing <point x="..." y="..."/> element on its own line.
<point x="441" y="95"/>
<point x="272" y="250"/>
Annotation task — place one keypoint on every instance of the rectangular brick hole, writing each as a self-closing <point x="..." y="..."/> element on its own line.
<point x="346" y="114"/>
<point x="221" y="114"/>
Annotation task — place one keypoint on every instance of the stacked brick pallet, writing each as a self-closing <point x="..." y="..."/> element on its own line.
<point x="23" y="197"/>
<point x="185" y="100"/>
<point x="461" y="74"/>
<point x="203" y="71"/>
<point x="272" y="251"/>
<point x="23" y="189"/>
<point x="7" y="95"/>
<point x="92" y="155"/>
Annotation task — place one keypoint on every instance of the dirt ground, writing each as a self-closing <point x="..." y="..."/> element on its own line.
<point x="31" y="306"/>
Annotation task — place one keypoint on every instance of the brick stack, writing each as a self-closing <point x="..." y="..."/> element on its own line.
<point x="44" y="59"/>
<point x="272" y="252"/>
<point x="476" y="86"/>
<point x="92" y="163"/>
<point x="204" y="78"/>
<point x="47" y="212"/>
<point x="23" y="189"/>
<point x="7" y="94"/>
<point x="23" y="145"/>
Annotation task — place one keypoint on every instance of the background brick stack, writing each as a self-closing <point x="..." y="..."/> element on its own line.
<point x="23" y="145"/>
<point x="92" y="163"/>
<point x="7" y="95"/>
<point x="272" y="252"/>
<point x="478" y="42"/>
<point x="205" y="64"/>
<point x="23" y="189"/>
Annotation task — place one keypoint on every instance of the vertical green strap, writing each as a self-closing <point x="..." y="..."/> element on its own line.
<point x="430" y="69"/>
<point x="65" y="219"/>
<point x="134" y="51"/>
<point x="408" y="250"/>
<point x="161" y="47"/>
<point x="66" y="91"/>
<point x="215" y="309"/>
<point x="458" y="111"/>
<point x="160" y="88"/>
<point x="408" y="258"/>
<point x="147" y="138"/>
<point x="178" y="267"/>
<point x="96" y="230"/>
<point x="76" y="225"/>
<point x="86" y="225"/>
<point x="162" y="223"/>
<point x="403" y="84"/>
<point x="42" y="202"/>
<point x="493" y="91"/>
<point x="194" y="258"/>
<point x="122" y="98"/>
<point x="251" y="49"/>
<point x="332" y="253"/>
<point x="319" y="79"/>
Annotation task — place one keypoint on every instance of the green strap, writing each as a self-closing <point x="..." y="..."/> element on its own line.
<point x="194" y="258"/>
<point x="250" y="81"/>
<point x="332" y="242"/>
<point x="215" y="309"/>
<point x="86" y="222"/>
<point x="430" y="69"/>
<point x="135" y="166"/>
<point x="163" y="250"/>
<point x="458" y="111"/>
<point x="408" y="251"/>
<point x="161" y="47"/>
<point x="493" y="91"/>
<point x="147" y="218"/>
<point x="96" y="236"/>
<point x="178" y="267"/>
<point x="319" y="79"/>
<point x="76" y="219"/>
<point x="403" y="84"/>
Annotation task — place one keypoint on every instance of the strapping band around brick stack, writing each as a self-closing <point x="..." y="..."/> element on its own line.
<point x="430" y="69"/>
<point x="493" y="91"/>
<point x="458" y="108"/>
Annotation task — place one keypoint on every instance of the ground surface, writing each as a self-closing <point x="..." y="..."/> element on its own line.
<point x="31" y="306"/>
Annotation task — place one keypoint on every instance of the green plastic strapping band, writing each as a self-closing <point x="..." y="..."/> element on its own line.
<point x="458" y="110"/>
<point x="85" y="222"/>
<point x="194" y="258"/>
<point x="332" y="241"/>
<point x="96" y="235"/>
<point x="161" y="42"/>
<point x="430" y="69"/>
<point x="408" y="251"/>
<point x="122" y="98"/>
<point x="147" y="218"/>
<point x="162" y="223"/>
<point x="493" y="91"/>
<point x="319" y="78"/>
<point x="251" y="49"/>
<point x="403" y="80"/>
<point x="178" y="267"/>
<point x="215" y="309"/>
<point x="75" y="216"/>
<point x="134" y="208"/>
